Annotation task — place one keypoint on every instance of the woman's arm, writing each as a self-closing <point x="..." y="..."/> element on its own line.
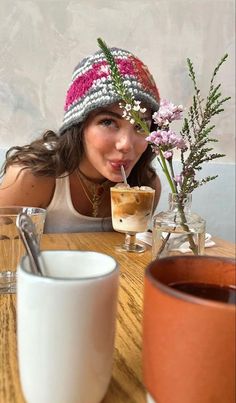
<point x="21" y="188"/>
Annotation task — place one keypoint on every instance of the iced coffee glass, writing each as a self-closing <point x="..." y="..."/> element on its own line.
<point x="131" y="209"/>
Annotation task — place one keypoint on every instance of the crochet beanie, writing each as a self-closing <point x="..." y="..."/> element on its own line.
<point x="91" y="86"/>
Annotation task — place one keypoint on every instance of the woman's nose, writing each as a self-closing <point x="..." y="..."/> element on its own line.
<point x="125" y="141"/>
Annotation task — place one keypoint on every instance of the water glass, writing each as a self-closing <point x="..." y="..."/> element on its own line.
<point x="11" y="246"/>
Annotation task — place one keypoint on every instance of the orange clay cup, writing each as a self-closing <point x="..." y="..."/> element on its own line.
<point x="188" y="342"/>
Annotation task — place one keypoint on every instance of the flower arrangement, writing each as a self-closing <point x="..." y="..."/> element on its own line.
<point x="194" y="140"/>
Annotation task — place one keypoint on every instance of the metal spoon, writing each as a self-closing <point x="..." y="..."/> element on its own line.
<point x="28" y="235"/>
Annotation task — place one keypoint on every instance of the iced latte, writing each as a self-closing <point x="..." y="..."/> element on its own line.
<point x="131" y="208"/>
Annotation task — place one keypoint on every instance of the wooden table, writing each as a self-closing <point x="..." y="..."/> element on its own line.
<point x="126" y="385"/>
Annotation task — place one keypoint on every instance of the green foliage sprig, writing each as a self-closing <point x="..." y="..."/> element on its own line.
<point x="196" y="130"/>
<point x="121" y="89"/>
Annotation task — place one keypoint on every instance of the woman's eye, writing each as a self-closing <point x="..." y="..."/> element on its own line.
<point x="107" y="122"/>
<point x="138" y="128"/>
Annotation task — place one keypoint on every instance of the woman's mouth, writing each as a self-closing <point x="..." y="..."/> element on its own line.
<point x="116" y="165"/>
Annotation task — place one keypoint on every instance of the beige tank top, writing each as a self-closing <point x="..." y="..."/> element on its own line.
<point x="62" y="216"/>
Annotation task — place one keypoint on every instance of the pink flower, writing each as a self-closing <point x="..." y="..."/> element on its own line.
<point x="168" y="154"/>
<point x="178" y="179"/>
<point x="167" y="113"/>
<point x="166" y="140"/>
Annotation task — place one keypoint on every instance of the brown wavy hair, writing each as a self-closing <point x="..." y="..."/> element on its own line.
<point x="53" y="155"/>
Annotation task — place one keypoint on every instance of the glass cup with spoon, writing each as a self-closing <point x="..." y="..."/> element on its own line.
<point x="11" y="246"/>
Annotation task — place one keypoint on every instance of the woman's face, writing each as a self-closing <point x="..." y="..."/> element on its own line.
<point x="111" y="141"/>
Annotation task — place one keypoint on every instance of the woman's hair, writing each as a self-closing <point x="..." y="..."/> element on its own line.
<point x="54" y="156"/>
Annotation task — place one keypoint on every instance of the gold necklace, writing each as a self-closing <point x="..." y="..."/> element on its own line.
<point x="97" y="190"/>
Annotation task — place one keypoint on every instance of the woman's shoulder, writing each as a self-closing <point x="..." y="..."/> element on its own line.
<point x="21" y="187"/>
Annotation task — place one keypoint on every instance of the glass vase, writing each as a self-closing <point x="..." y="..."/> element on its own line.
<point x="178" y="230"/>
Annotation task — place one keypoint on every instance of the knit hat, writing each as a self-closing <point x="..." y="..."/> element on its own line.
<point x="91" y="86"/>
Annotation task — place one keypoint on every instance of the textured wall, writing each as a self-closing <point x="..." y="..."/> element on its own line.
<point x="41" y="41"/>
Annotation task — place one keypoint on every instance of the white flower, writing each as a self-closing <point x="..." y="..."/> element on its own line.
<point x="128" y="107"/>
<point x="136" y="106"/>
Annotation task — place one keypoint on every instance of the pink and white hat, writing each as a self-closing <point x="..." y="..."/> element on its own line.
<point x="91" y="86"/>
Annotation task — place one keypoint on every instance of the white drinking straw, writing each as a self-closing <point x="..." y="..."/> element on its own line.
<point x="123" y="175"/>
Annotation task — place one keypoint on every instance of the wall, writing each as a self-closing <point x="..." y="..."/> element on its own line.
<point x="42" y="41"/>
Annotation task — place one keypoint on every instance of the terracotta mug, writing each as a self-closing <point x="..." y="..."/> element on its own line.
<point x="189" y="341"/>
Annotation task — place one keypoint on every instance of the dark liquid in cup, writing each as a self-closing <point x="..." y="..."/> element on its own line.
<point x="226" y="294"/>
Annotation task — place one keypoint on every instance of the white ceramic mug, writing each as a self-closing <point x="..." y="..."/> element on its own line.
<point x="66" y="327"/>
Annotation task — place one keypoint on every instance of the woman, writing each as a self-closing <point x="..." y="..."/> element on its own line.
<point x="70" y="173"/>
